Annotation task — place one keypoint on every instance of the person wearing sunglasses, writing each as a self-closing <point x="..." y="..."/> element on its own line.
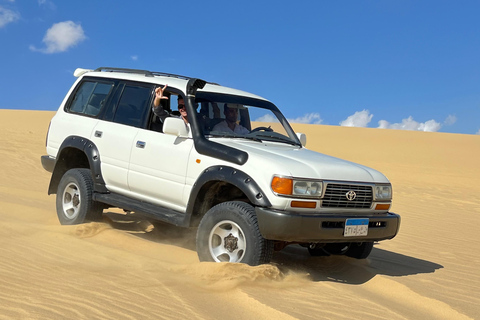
<point x="182" y="109"/>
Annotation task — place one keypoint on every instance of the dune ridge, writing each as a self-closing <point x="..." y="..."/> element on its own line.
<point x="128" y="268"/>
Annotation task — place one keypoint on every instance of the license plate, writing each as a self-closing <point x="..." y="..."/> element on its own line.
<point x="356" y="227"/>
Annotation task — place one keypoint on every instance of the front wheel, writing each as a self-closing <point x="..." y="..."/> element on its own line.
<point x="229" y="233"/>
<point x="75" y="198"/>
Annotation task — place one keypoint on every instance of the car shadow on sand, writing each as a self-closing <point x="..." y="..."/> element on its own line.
<point x="293" y="258"/>
<point x="352" y="271"/>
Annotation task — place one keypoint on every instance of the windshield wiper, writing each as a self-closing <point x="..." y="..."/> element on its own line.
<point x="249" y="138"/>
<point x="229" y="135"/>
<point x="277" y="138"/>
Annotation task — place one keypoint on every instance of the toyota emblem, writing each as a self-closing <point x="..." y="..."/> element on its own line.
<point x="350" y="195"/>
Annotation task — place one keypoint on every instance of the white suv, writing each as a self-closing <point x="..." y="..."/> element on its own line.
<point x="248" y="193"/>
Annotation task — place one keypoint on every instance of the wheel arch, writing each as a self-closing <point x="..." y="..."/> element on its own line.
<point x="77" y="152"/>
<point x="218" y="184"/>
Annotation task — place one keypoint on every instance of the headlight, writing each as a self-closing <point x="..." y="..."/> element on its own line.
<point x="383" y="192"/>
<point x="297" y="187"/>
<point x="307" y="188"/>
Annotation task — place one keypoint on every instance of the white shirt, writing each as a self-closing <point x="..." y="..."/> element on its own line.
<point x="223" y="127"/>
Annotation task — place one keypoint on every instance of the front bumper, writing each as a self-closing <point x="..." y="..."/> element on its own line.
<point x="297" y="227"/>
<point x="48" y="163"/>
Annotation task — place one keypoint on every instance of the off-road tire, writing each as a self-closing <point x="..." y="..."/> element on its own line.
<point x="74" y="201"/>
<point x="359" y="250"/>
<point x="336" y="248"/>
<point x="229" y="233"/>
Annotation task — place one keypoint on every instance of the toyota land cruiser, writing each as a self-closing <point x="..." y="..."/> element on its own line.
<point x="247" y="193"/>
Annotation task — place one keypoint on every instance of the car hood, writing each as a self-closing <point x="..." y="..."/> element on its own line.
<point x="288" y="160"/>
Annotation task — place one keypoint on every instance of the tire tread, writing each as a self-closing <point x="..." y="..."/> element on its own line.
<point x="91" y="210"/>
<point x="245" y="212"/>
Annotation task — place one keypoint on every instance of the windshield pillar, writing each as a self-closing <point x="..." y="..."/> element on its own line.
<point x="203" y="145"/>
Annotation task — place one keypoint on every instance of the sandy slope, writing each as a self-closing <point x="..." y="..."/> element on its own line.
<point x="127" y="269"/>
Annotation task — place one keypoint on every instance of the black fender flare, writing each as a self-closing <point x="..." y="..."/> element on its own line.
<point x="233" y="176"/>
<point x="93" y="156"/>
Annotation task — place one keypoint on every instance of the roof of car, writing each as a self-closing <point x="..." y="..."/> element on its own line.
<point x="160" y="78"/>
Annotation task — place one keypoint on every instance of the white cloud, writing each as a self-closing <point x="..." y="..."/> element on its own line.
<point x="47" y="4"/>
<point x="61" y="37"/>
<point x="451" y="119"/>
<point x="358" y="119"/>
<point x="383" y="124"/>
<point x="410" y="124"/>
<point x="267" y="118"/>
<point x="478" y="131"/>
<point x="134" y="58"/>
<point x="7" y="16"/>
<point x="310" y="118"/>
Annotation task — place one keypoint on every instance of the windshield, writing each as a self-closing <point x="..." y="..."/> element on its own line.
<point x="226" y="116"/>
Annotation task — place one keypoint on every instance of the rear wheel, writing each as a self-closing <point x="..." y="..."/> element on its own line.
<point x="359" y="250"/>
<point x="336" y="248"/>
<point x="229" y="233"/>
<point x="75" y="198"/>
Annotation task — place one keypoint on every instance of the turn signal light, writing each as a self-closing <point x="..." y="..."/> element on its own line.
<point x="282" y="185"/>
<point x="303" y="204"/>
<point x="382" y="206"/>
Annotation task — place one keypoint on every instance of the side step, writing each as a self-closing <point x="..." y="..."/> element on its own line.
<point x="156" y="212"/>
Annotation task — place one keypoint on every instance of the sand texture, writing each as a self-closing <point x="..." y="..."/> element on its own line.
<point x="129" y="268"/>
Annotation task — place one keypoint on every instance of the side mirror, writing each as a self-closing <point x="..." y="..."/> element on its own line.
<point x="176" y="127"/>
<point x="303" y="138"/>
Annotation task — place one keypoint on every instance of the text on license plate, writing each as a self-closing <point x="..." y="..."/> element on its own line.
<point x="356" y="227"/>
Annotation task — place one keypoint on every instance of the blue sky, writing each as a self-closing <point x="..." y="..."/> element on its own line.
<point x="392" y="64"/>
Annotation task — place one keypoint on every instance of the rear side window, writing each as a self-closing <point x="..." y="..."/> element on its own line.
<point x="133" y="105"/>
<point x="90" y="97"/>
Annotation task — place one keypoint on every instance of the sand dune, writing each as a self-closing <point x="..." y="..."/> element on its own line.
<point x="128" y="268"/>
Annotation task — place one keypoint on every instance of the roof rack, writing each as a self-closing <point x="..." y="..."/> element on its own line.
<point x="125" y="70"/>
<point x="146" y="73"/>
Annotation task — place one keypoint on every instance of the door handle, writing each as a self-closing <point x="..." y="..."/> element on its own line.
<point x="98" y="134"/>
<point x="141" y="144"/>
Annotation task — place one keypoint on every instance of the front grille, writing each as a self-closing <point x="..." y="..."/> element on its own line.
<point x="335" y="196"/>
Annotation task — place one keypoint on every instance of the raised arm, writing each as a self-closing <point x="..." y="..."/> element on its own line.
<point x="159" y="95"/>
<point x="158" y="110"/>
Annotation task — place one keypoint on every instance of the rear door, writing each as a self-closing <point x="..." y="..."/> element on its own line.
<point x="115" y="135"/>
